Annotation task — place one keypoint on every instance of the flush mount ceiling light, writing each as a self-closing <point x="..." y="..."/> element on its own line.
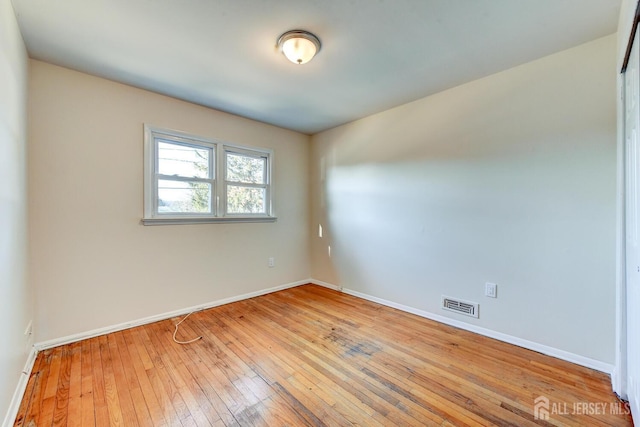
<point x="299" y="46"/>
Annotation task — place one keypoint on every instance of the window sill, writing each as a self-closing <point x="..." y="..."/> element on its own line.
<point x="220" y="220"/>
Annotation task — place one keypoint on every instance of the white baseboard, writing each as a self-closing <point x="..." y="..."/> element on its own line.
<point x="18" y="394"/>
<point x="122" y="326"/>
<point x="540" y="348"/>
<point x="325" y="284"/>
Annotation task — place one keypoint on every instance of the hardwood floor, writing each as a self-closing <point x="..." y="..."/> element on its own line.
<point x="309" y="356"/>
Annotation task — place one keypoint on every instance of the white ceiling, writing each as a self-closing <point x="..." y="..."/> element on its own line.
<point x="376" y="54"/>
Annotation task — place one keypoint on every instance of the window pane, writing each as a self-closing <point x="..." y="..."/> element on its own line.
<point x="245" y="200"/>
<point x="175" y="159"/>
<point x="246" y="169"/>
<point x="184" y="197"/>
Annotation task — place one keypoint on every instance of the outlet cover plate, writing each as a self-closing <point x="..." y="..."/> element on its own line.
<point x="491" y="290"/>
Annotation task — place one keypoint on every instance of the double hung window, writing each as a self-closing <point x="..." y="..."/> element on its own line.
<point x="189" y="179"/>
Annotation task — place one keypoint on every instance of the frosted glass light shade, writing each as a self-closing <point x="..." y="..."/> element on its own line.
<point x="299" y="46"/>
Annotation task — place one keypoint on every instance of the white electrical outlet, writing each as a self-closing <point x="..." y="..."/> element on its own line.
<point x="491" y="290"/>
<point x="272" y="262"/>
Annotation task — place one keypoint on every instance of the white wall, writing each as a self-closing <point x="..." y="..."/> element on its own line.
<point x="509" y="179"/>
<point x="16" y="299"/>
<point x="92" y="264"/>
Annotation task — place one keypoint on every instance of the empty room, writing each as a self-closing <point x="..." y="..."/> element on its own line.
<point x="319" y="213"/>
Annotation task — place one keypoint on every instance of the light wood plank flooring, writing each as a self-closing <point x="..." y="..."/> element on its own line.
<point x="309" y="356"/>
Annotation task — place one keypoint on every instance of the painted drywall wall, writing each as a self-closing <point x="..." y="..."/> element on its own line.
<point x="510" y="179"/>
<point x="93" y="264"/>
<point x="16" y="299"/>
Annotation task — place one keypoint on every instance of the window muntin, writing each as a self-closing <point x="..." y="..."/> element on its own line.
<point x="191" y="179"/>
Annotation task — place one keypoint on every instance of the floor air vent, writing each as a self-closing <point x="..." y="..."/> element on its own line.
<point x="463" y="307"/>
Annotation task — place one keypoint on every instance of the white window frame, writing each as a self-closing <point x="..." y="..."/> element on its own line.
<point x="217" y="163"/>
<point x="253" y="153"/>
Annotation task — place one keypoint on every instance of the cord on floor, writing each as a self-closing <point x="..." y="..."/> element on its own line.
<point x="176" y="331"/>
